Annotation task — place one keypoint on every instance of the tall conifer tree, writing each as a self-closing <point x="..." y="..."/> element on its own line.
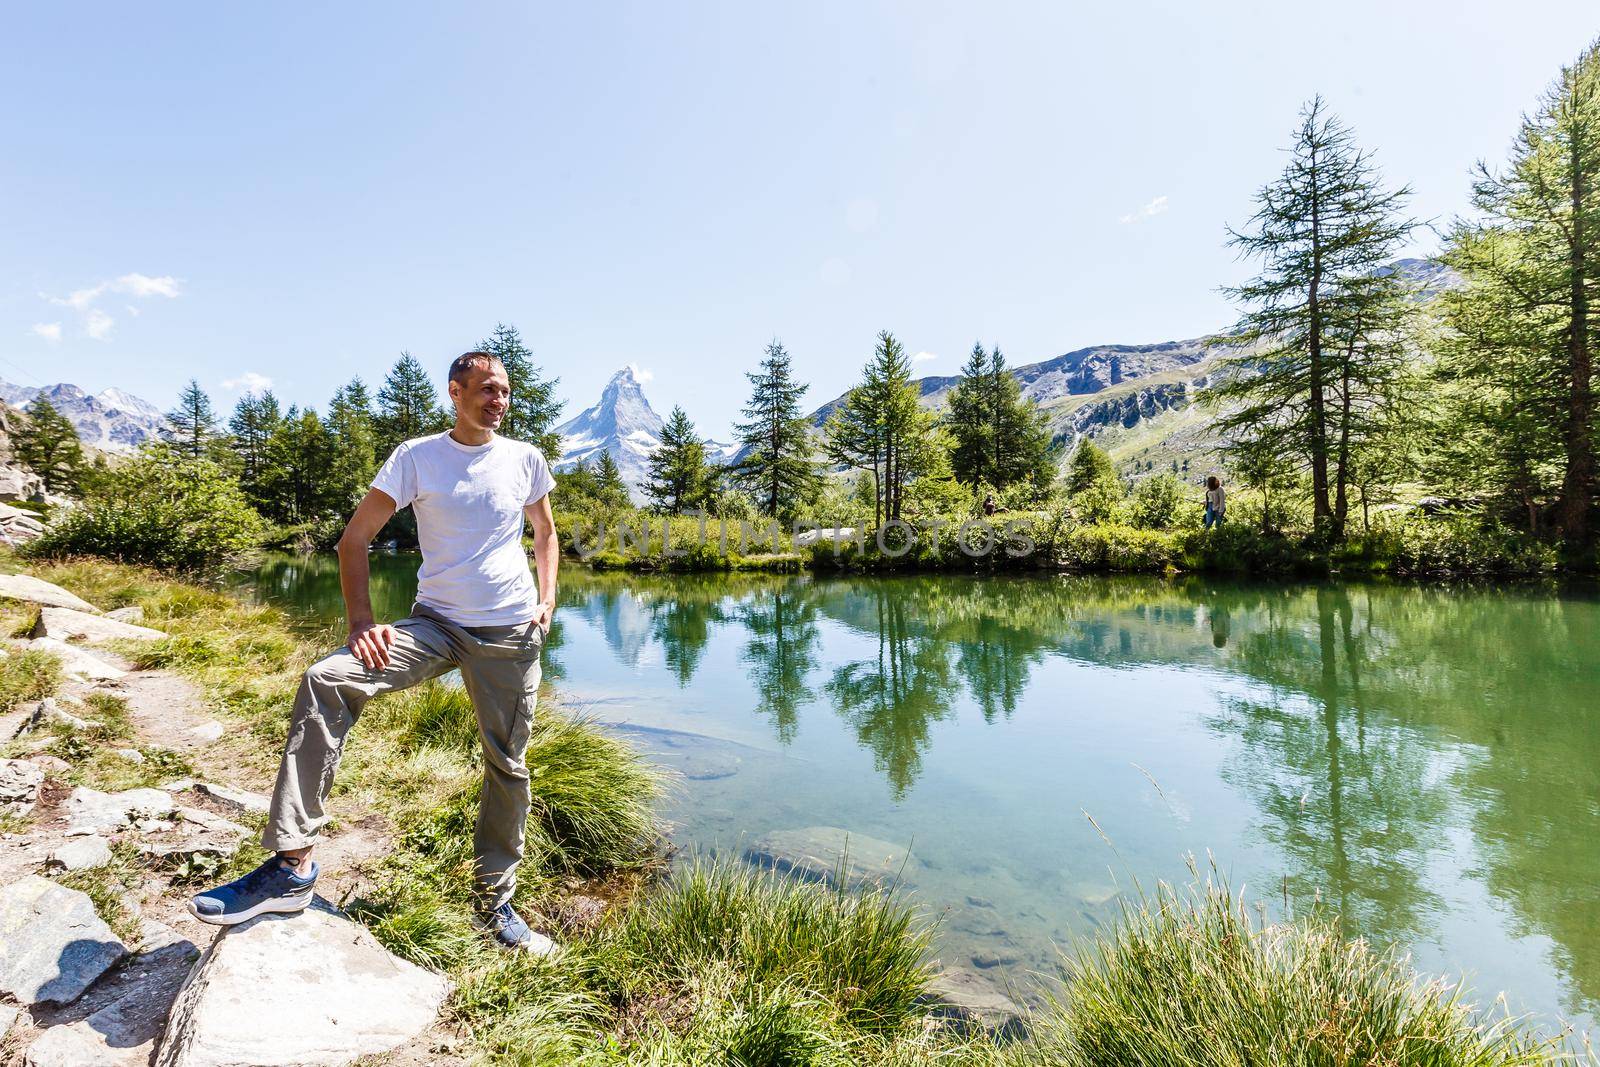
<point x="778" y="469"/>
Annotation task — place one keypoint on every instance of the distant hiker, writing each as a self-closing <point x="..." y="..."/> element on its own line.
<point x="1216" y="502"/>
<point x="988" y="504"/>
<point x="478" y="609"/>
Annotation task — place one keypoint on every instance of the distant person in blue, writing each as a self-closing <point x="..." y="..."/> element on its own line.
<point x="1216" y="502"/>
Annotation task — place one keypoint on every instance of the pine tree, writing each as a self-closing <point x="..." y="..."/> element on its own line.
<point x="1093" y="485"/>
<point x="350" y="425"/>
<point x="778" y="469"/>
<point x="47" y="443"/>
<point x="192" y="424"/>
<point x="881" y="428"/>
<point x="534" y="408"/>
<point x="1524" y="330"/>
<point x="678" y="478"/>
<point x="408" y="406"/>
<point x="999" y="437"/>
<point x="299" y="460"/>
<point x="609" y="487"/>
<point x="255" y="419"/>
<point x="1318" y="337"/>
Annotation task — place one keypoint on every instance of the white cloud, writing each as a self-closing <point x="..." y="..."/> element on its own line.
<point x="640" y="373"/>
<point x="50" y="331"/>
<point x="923" y="357"/>
<point x="249" y="382"/>
<point x="143" y="285"/>
<point x="1153" y="208"/>
<point x="97" y="324"/>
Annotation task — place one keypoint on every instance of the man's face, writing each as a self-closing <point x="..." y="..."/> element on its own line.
<point x="482" y="399"/>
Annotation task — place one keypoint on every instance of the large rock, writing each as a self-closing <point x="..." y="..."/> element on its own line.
<point x="65" y="624"/>
<point x="81" y="854"/>
<point x="969" y="1002"/>
<point x="132" y="613"/>
<point x="90" y="811"/>
<point x="52" y="944"/>
<point x="37" y="591"/>
<point x="77" y="663"/>
<point x="833" y="855"/>
<point x="193" y="832"/>
<point x="313" y="988"/>
<point x="238" y="799"/>
<point x="19" y="786"/>
<point x="119" y="1021"/>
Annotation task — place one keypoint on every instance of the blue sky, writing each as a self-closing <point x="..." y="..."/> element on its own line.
<point x="245" y="193"/>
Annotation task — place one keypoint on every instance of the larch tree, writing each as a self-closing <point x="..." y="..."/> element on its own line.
<point x="47" y="443"/>
<point x="256" y="418"/>
<point x="192" y="425"/>
<point x="1317" y="338"/>
<point x="408" y="406"/>
<point x="999" y="437"/>
<point x="881" y="428"/>
<point x="1525" y="327"/>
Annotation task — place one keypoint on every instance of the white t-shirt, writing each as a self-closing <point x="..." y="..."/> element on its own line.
<point x="468" y="500"/>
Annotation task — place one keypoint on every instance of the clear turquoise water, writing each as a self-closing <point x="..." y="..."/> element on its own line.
<point x="1426" y="762"/>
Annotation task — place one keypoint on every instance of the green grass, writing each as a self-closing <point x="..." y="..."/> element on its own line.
<point x="106" y="885"/>
<point x="32" y="674"/>
<point x="1192" y="978"/>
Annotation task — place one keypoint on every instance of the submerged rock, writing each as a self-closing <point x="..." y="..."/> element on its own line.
<point x="833" y="855"/>
<point x="52" y="943"/>
<point x="312" y="988"/>
<point x="969" y="1002"/>
<point x="65" y="624"/>
<point x="37" y="591"/>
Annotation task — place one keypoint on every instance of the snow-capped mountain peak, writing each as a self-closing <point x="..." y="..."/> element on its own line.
<point x="110" y="420"/>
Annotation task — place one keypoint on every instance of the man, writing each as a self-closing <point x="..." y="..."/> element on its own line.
<point x="477" y="609"/>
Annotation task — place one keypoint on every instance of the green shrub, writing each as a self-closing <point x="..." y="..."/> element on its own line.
<point x="1464" y="545"/>
<point x="1118" y="548"/>
<point x="162" y="510"/>
<point x="1191" y="979"/>
<point x="1163" y="502"/>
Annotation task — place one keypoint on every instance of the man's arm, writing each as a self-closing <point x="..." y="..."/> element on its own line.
<point x="546" y="556"/>
<point x="368" y="641"/>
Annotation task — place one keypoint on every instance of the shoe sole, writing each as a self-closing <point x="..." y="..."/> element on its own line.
<point x="276" y="905"/>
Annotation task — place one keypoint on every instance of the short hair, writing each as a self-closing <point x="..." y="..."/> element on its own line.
<point x="466" y="361"/>
<point x="1213" y="482"/>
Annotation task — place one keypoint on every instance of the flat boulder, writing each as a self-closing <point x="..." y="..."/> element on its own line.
<point x="52" y="943"/>
<point x="189" y="832"/>
<point x="81" y="854"/>
<point x="832" y="855"/>
<point x="238" y="799"/>
<point x="65" y="624"/>
<point x="132" y="613"/>
<point x="76" y="662"/>
<point x="19" y="786"/>
<point x="37" y="591"/>
<point x="118" y="1022"/>
<point x="292" y="990"/>
<point x="90" y="811"/>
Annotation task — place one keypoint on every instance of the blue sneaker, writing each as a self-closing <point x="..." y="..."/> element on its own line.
<point x="512" y="933"/>
<point x="271" y="887"/>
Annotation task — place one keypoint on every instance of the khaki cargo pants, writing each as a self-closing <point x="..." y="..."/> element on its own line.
<point x="500" y="667"/>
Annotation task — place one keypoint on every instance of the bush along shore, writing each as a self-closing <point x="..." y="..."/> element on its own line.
<point x="688" y="963"/>
<point x="1413" y="547"/>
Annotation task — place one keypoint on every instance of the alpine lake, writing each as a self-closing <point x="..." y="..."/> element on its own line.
<point x="1028" y="754"/>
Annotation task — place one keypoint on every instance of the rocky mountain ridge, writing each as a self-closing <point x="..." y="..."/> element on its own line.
<point x="111" y="420"/>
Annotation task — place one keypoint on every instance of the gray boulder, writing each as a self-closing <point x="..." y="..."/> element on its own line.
<point x="190" y="832"/>
<point x="76" y="662"/>
<point x="119" y="1021"/>
<point x="81" y="854"/>
<point x="965" y="1001"/>
<point x="65" y="624"/>
<point x="291" y="990"/>
<point x="132" y="613"/>
<point x="37" y="591"/>
<point x="90" y="811"/>
<point x="832" y="855"/>
<point x="52" y="944"/>
<point x="19" y="785"/>
<point x="239" y="799"/>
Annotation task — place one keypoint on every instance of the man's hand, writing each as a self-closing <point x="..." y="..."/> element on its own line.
<point x="543" y="615"/>
<point x="370" y="643"/>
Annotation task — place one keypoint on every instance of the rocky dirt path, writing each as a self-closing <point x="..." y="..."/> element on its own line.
<point x="100" y="961"/>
